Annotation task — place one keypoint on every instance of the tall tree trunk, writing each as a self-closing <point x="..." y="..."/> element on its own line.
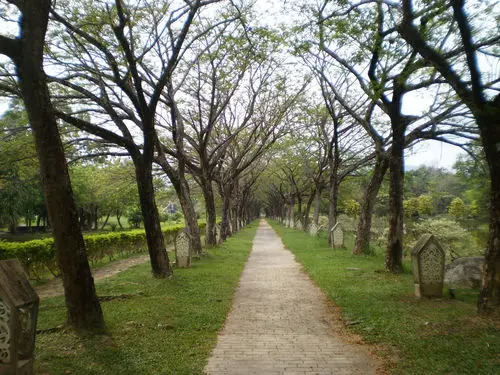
<point x="83" y="308"/>
<point x="234" y="217"/>
<point x="118" y="220"/>
<point x="211" y="215"/>
<point x="305" y="218"/>
<point x="81" y="213"/>
<point x="190" y="219"/>
<point x="394" y="252"/>
<point x="299" y="209"/>
<point x="225" y="230"/>
<point x="489" y="124"/>
<point x="181" y="187"/>
<point x="12" y="226"/>
<point x="332" y="207"/>
<point x="363" y="233"/>
<point x="96" y="217"/>
<point x="317" y="205"/>
<point x="160" y="264"/>
<point x="105" y="222"/>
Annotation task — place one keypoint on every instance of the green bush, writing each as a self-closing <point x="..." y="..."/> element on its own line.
<point x="455" y="240"/>
<point x="39" y="256"/>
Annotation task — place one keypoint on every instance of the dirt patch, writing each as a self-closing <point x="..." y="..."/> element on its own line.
<point x="54" y="287"/>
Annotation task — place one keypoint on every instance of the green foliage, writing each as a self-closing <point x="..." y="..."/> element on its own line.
<point x="410" y="207"/>
<point x="455" y="240"/>
<point x="38" y="256"/>
<point x="20" y="192"/>
<point x="457" y="209"/>
<point x="109" y="187"/>
<point x="134" y="215"/>
<point x="352" y="208"/>
<point x="418" y="207"/>
<point x="166" y="326"/>
<point x="474" y="174"/>
<point x="425" y="205"/>
<point x="426" y="336"/>
<point x="176" y="216"/>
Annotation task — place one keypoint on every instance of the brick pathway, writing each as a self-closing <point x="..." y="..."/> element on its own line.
<point x="279" y="322"/>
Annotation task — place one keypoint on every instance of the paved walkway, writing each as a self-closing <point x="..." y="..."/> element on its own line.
<point x="279" y="323"/>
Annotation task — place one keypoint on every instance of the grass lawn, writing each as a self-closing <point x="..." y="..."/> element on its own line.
<point x="420" y="336"/>
<point x="160" y="327"/>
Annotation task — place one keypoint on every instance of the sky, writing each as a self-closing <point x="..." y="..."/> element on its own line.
<point x="432" y="153"/>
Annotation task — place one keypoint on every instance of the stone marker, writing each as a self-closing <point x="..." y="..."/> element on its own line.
<point x="427" y="259"/>
<point x="18" y="316"/>
<point x="337" y="236"/>
<point x="299" y="225"/>
<point x="217" y="234"/>
<point x="182" y="250"/>
<point x="313" y="229"/>
<point x="466" y="271"/>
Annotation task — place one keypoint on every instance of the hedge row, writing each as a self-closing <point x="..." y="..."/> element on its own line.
<point x="38" y="256"/>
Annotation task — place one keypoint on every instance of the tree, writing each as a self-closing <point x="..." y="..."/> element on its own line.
<point x="225" y="68"/>
<point x="26" y="52"/>
<point x="386" y="70"/>
<point x="116" y="75"/>
<point x="458" y="64"/>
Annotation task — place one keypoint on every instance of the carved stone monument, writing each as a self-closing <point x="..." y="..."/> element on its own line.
<point x="428" y="259"/>
<point x="217" y="234"/>
<point x="337" y="236"/>
<point x="18" y="316"/>
<point x="182" y="250"/>
<point x="299" y="226"/>
<point x="313" y="229"/>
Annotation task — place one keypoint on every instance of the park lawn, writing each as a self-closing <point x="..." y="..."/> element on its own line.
<point x="158" y="326"/>
<point x="414" y="336"/>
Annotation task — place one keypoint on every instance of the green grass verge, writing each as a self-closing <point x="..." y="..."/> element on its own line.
<point x="163" y="327"/>
<point x="420" y="336"/>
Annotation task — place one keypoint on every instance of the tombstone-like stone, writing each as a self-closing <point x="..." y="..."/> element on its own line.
<point x="182" y="250"/>
<point x="292" y="224"/>
<point x="299" y="225"/>
<point x="467" y="272"/>
<point x="313" y="229"/>
<point x="428" y="259"/>
<point x="18" y="317"/>
<point x="337" y="236"/>
<point x="217" y="234"/>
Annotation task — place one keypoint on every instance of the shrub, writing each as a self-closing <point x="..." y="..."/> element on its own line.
<point x="455" y="240"/>
<point x="39" y="256"/>
<point x="352" y="208"/>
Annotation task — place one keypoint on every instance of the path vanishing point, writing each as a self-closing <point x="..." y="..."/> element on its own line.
<point x="280" y="323"/>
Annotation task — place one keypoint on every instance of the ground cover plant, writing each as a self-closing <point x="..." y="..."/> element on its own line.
<point x="155" y="326"/>
<point x="415" y="336"/>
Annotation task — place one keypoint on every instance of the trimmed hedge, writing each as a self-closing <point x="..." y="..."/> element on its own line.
<point x="39" y="256"/>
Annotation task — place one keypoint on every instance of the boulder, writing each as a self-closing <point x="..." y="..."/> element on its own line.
<point x="465" y="272"/>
